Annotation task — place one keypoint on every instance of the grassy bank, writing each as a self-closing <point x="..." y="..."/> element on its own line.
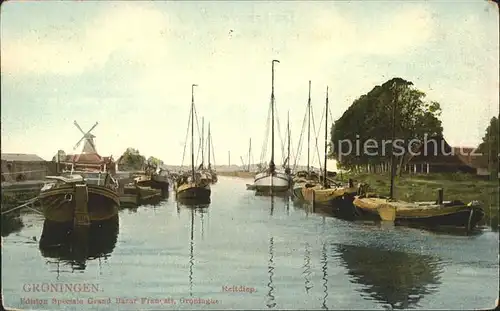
<point x="423" y="187"/>
<point x="240" y="174"/>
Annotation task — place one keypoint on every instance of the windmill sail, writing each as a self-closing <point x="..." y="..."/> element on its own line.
<point x="89" y="154"/>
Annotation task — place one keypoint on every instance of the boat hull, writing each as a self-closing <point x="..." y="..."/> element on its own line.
<point x="266" y="182"/>
<point x="156" y="182"/>
<point x="297" y="191"/>
<point x="465" y="217"/>
<point x="432" y="215"/>
<point x="326" y="196"/>
<point x="193" y="192"/>
<point x="58" y="204"/>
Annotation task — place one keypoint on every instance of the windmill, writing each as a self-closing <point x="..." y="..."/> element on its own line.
<point x="89" y="146"/>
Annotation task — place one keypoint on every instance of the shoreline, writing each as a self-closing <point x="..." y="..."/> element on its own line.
<point x="239" y="174"/>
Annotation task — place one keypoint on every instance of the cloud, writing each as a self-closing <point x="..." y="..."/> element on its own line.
<point x="136" y="31"/>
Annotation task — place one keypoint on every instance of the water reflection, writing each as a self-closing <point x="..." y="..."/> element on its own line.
<point x="270" y="269"/>
<point x="191" y="256"/>
<point x="74" y="247"/>
<point x="11" y="224"/>
<point x="307" y="268"/>
<point x="324" y="262"/>
<point x="194" y="202"/>
<point x="275" y="199"/>
<point x="393" y="277"/>
<point x="201" y="210"/>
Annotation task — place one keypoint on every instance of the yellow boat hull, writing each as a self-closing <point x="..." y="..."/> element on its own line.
<point x="448" y="214"/>
<point x="325" y="196"/>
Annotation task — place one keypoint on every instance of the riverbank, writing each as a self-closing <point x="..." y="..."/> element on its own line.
<point x="424" y="187"/>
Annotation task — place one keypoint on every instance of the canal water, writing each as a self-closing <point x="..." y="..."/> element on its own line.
<point x="247" y="252"/>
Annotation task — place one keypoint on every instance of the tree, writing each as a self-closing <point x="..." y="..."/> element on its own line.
<point x="62" y="156"/>
<point x="152" y="161"/>
<point x="370" y="117"/>
<point x="132" y="160"/>
<point x="489" y="148"/>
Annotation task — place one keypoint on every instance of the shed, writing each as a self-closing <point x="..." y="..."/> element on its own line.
<point x="21" y="167"/>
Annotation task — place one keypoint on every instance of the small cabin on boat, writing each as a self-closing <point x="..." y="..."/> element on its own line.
<point x="89" y="161"/>
<point x="18" y="167"/>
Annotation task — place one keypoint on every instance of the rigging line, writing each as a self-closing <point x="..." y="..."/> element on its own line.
<point x="291" y="153"/>
<point x="321" y="121"/>
<point x="264" y="146"/>
<point x="316" y="141"/>
<point x="185" y="139"/>
<point x="198" y="153"/>
<point x="268" y="129"/>
<point x="319" y="131"/>
<point x="279" y="133"/>
<point x="299" y="147"/>
<point x="198" y="127"/>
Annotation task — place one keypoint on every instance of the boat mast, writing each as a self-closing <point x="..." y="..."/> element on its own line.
<point x="271" y="164"/>
<point x="308" y="127"/>
<point x="192" y="130"/>
<point x="208" y="140"/>
<point x="249" y="153"/>
<point x="391" y="195"/>
<point x="202" y="142"/>
<point x="326" y="138"/>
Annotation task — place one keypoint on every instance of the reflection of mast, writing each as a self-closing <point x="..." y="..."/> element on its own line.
<point x="270" y="300"/>
<point x="325" y="276"/>
<point x="191" y="257"/>
<point x="272" y="205"/>
<point x="287" y="205"/>
<point x="307" y="268"/>
<point x="202" y="231"/>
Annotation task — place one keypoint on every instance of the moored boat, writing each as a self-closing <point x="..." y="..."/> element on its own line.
<point x="271" y="180"/>
<point x="98" y="191"/>
<point x="193" y="186"/>
<point x="85" y="194"/>
<point x="327" y="192"/>
<point x="434" y="214"/>
<point x="155" y="178"/>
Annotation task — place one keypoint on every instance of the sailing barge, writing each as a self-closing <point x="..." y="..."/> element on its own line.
<point x="193" y="186"/>
<point x="271" y="180"/>
<point x="86" y="192"/>
<point x="430" y="214"/>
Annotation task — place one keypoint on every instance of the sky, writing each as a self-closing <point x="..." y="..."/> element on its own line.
<point x="130" y="65"/>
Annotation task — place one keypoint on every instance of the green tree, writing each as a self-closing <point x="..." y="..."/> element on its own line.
<point x="489" y="148"/>
<point x="132" y="160"/>
<point x="370" y="117"/>
<point x="154" y="161"/>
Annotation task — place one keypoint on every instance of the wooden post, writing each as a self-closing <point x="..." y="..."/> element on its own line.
<point x="414" y="168"/>
<point x="428" y="168"/>
<point x="440" y="196"/>
<point x="81" y="217"/>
